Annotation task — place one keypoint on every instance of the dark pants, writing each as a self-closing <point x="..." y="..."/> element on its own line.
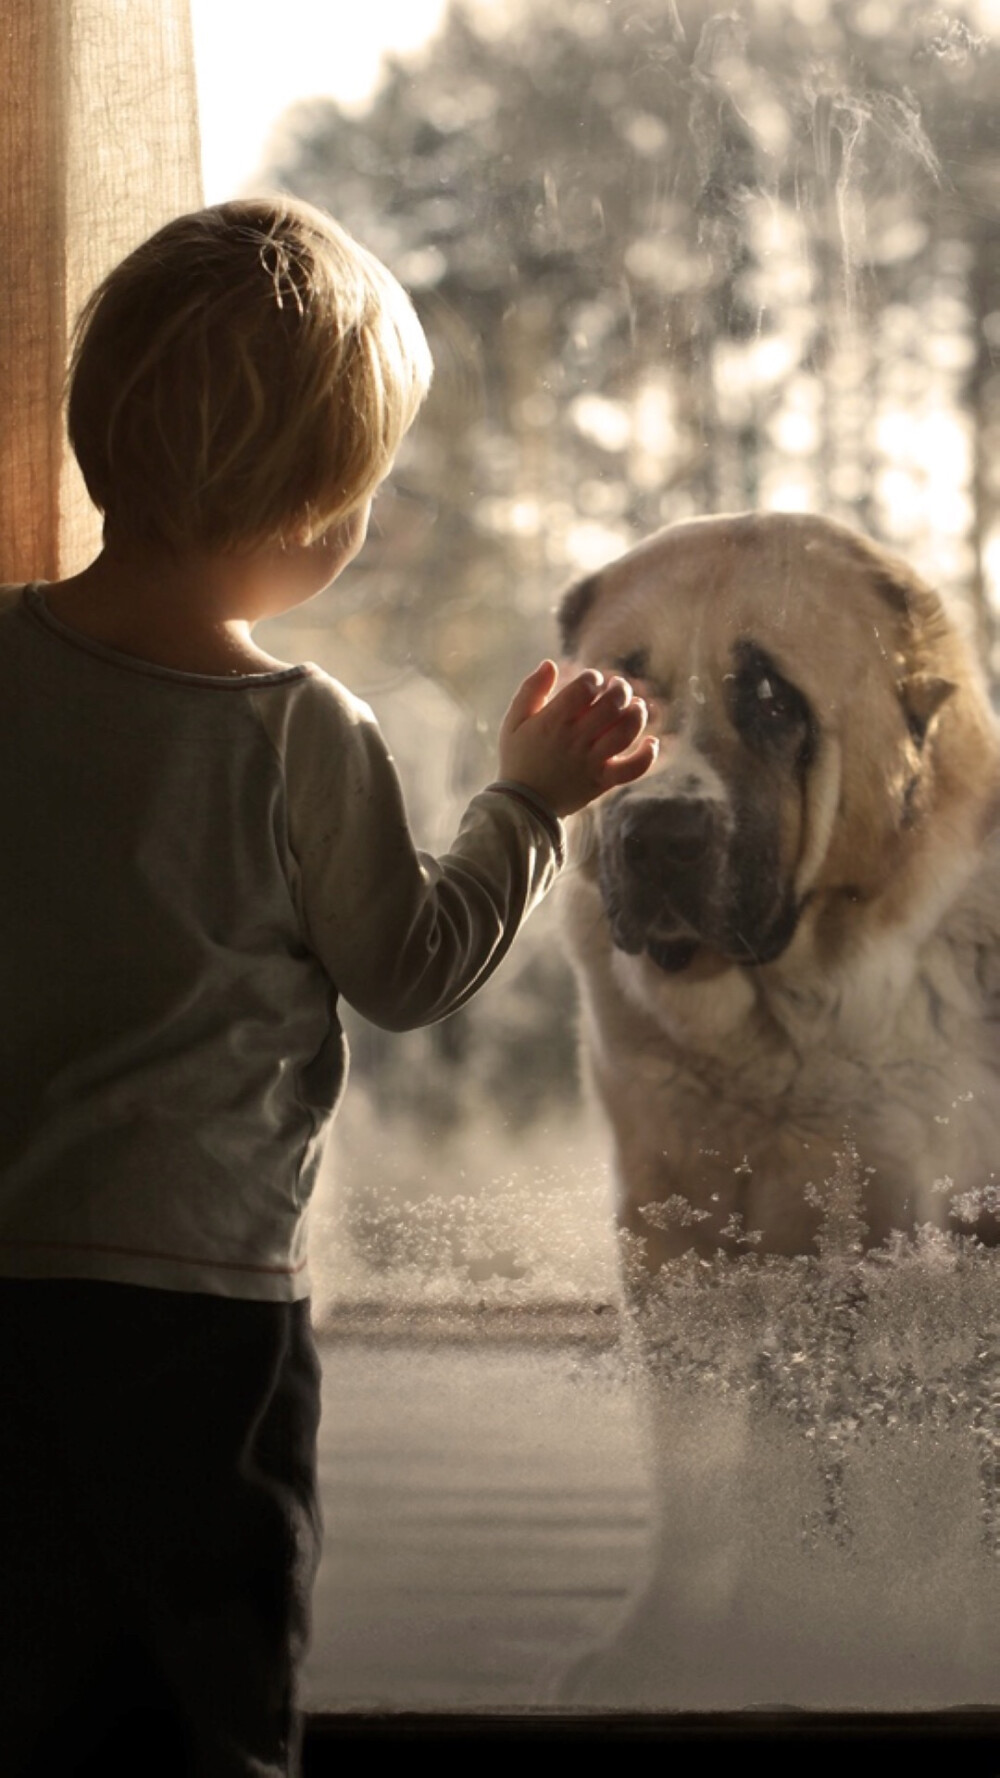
<point x="159" y="1529"/>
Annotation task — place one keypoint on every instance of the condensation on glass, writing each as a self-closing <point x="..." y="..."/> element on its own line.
<point x="672" y="261"/>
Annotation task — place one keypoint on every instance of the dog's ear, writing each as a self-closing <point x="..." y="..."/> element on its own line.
<point x="572" y="610"/>
<point x="922" y="696"/>
<point x="927" y="636"/>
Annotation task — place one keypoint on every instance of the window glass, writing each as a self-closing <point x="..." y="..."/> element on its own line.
<point x="672" y="261"/>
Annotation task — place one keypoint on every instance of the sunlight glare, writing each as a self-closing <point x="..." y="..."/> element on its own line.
<point x="253" y="65"/>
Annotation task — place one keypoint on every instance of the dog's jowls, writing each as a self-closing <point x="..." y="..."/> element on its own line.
<point x="787" y="934"/>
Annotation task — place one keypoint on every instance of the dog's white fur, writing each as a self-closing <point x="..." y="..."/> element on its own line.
<point x="730" y="1084"/>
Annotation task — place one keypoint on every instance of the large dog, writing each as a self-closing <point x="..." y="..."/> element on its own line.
<point x="787" y="933"/>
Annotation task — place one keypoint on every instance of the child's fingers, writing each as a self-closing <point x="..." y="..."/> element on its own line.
<point x="617" y="712"/>
<point x="531" y="695"/>
<point x="625" y="768"/>
<point x="578" y="694"/>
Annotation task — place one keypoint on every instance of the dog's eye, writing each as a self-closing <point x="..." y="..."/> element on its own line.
<point x="766" y="708"/>
<point x="634" y="664"/>
<point x="772" y="703"/>
<point x="779" y="699"/>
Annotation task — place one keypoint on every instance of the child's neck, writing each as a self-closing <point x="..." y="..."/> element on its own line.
<point x="192" y="612"/>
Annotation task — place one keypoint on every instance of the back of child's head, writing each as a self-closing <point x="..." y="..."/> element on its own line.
<point x="243" y="378"/>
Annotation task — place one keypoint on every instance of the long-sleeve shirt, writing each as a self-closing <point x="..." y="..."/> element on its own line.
<point x="194" y="869"/>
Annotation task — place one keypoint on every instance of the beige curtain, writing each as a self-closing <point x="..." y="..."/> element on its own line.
<point x="98" y="146"/>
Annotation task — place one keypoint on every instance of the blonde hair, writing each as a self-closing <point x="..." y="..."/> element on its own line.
<point x="243" y="378"/>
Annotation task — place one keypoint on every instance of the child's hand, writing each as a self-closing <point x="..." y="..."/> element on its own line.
<point x="573" y="746"/>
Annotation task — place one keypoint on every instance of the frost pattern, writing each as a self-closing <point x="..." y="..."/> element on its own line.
<point x="843" y="1343"/>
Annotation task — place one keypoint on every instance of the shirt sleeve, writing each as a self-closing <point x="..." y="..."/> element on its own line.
<point x="405" y="938"/>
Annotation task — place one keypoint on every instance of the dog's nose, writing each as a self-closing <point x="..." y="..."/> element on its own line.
<point x="659" y="835"/>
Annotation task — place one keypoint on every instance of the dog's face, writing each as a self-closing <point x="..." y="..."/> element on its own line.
<point x="798" y="678"/>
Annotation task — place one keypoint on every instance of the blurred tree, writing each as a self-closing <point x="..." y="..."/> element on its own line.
<point x="653" y="247"/>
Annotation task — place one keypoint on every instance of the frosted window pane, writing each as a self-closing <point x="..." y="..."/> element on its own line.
<point x="672" y="262"/>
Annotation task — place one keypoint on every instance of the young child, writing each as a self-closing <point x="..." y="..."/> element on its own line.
<point x="204" y="849"/>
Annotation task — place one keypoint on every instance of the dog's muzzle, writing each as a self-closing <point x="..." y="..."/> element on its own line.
<point x="661" y="840"/>
<point x="676" y="876"/>
<point x="662" y="858"/>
